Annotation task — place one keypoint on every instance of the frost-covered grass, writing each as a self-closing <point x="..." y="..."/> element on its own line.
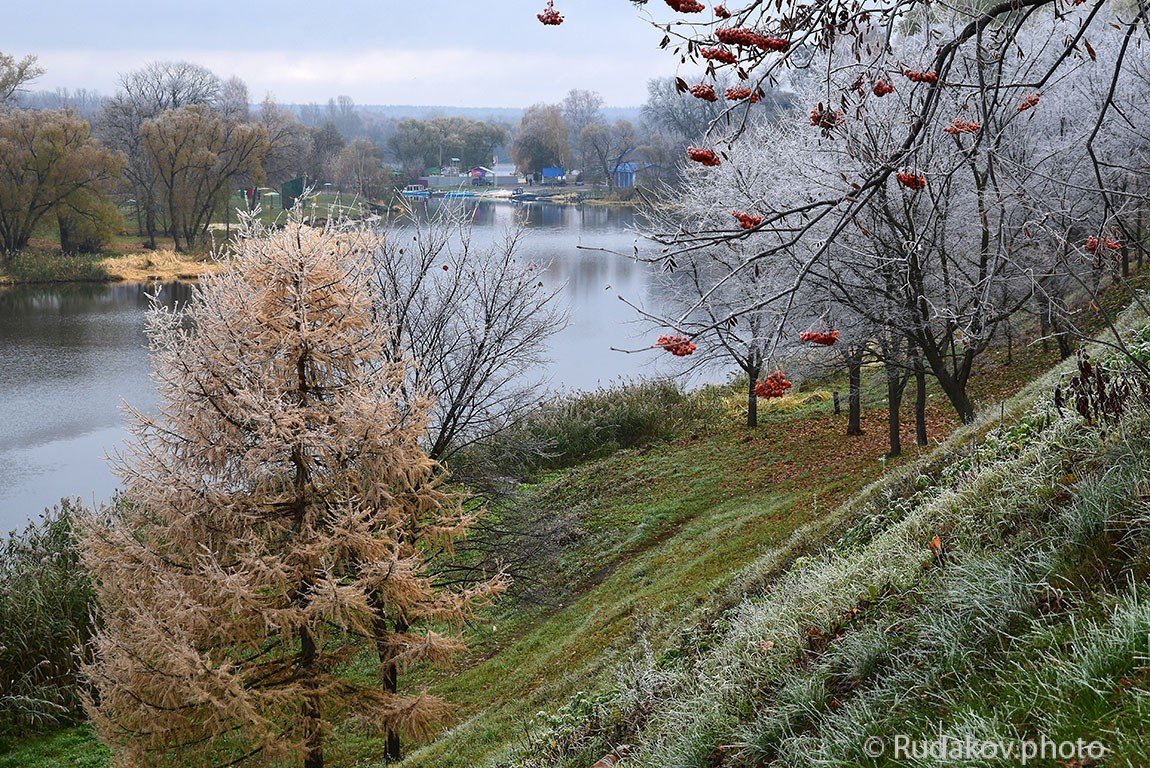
<point x="1029" y="623"/>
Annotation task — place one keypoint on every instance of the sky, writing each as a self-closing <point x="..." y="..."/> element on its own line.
<point x="468" y="53"/>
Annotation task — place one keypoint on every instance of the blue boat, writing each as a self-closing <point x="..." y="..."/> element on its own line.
<point x="414" y="190"/>
<point x="459" y="193"/>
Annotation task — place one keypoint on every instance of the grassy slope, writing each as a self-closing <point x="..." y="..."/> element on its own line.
<point x="1030" y="624"/>
<point x="668" y="532"/>
<point x="669" y="539"/>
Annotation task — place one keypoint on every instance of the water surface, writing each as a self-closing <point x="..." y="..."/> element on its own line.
<point x="73" y="355"/>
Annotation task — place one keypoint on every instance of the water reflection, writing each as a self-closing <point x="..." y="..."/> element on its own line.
<point x="72" y="354"/>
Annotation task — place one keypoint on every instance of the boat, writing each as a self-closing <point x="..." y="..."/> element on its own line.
<point x="459" y="193"/>
<point x="414" y="190"/>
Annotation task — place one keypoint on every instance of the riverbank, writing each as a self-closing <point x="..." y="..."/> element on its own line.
<point x="147" y="266"/>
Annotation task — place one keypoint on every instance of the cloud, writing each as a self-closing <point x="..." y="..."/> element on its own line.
<point x="448" y="75"/>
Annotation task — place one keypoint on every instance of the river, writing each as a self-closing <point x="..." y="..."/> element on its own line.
<point x="72" y="356"/>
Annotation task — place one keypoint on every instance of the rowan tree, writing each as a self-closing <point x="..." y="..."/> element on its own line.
<point x="975" y="75"/>
<point x="278" y="520"/>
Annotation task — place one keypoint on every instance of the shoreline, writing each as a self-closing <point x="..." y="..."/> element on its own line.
<point x="161" y="265"/>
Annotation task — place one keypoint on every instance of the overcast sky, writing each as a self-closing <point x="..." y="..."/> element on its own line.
<point x="450" y="52"/>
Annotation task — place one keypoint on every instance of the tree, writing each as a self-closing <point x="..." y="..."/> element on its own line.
<point x="326" y="142"/>
<point x="358" y="170"/>
<point x="685" y="119"/>
<point x="278" y="520"/>
<point x="289" y="143"/>
<point x="413" y="145"/>
<point x="541" y="140"/>
<point x="608" y="147"/>
<point x="15" y="74"/>
<point x="196" y="154"/>
<point x="944" y="67"/>
<point x="145" y="94"/>
<point x="232" y="102"/>
<point x="48" y="162"/>
<point x="581" y="109"/>
<point x="477" y="320"/>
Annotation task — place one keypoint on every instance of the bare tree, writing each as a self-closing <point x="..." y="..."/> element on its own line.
<point x="289" y="143"/>
<point x="145" y="94"/>
<point x="474" y="318"/>
<point x="276" y="523"/>
<point x="233" y="102"/>
<point x="581" y="110"/>
<point x="608" y="146"/>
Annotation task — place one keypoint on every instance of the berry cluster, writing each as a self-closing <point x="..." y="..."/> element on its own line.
<point x="679" y="346"/>
<point x="722" y="12"/>
<point x="704" y="92"/>
<point x="550" y="16"/>
<point x="882" y="88"/>
<point x="826" y="118"/>
<point x="920" y="76"/>
<point x="1093" y="243"/>
<point x="911" y="180"/>
<point x="704" y="156"/>
<point x="738" y="94"/>
<point x="825" y="338"/>
<point x="722" y="55"/>
<point x="775" y="385"/>
<point x="747" y="220"/>
<point x="739" y="36"/>
<point x="1029" y="101"/>
<point x="686" y="6"/>
<point x="961" y="126"/>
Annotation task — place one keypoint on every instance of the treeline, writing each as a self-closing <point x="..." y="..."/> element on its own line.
<point x="172" y="146"/>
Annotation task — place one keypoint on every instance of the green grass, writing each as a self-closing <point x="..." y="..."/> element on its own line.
<point x="1031" y="624"/>
<point x="46" y="267"/>
<point x="70" y="748"/>
<point x="730" y="596"/>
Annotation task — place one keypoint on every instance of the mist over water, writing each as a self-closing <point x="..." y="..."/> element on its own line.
<point x="72" y="355"/>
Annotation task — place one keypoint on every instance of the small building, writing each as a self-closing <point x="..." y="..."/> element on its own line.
<point x="624" y="175"/>
<point x="553" y="175"/>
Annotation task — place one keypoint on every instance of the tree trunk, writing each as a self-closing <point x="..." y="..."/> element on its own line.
<point x="312" y="715"/>
<point x="752" y="399"/>
<point x="920" y="436"/>
<point x="854" y="399"/>
<point x="389" y="677"/>
<point x="895" y="385"/>
<point x="150" y="221"/>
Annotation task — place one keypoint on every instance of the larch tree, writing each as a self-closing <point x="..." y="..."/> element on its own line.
<point x="278" y="518"/>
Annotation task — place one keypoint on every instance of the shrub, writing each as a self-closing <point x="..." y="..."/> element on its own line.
<point x="589" y="425"/>
<point x="44" y="621"/>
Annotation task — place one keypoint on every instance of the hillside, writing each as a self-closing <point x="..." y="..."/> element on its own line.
<point x="729" y="597"/>
<point x="727" y="609"/>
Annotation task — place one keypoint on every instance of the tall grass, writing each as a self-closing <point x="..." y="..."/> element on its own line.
<point x="1029" y="620"/>
<point x="45" y="602"/>
<point x="39" y="267"/>
<point x="583" y="426"/>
